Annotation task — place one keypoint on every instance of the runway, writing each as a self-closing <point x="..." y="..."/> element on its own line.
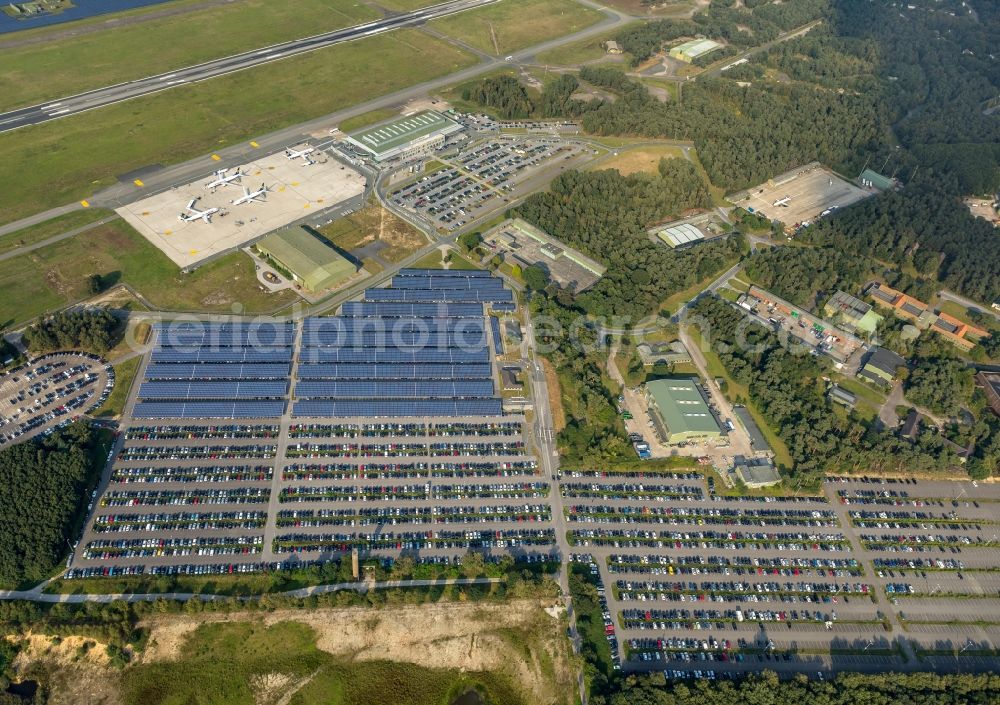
<point x="101" y="97"/>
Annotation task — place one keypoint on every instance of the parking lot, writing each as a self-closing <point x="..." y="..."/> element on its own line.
<point x="485" y="176"/>
<point x="51" y="391"/>
<point x="697" y="583"/>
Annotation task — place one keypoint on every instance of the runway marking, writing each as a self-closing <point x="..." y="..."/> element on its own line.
<point x="216" y="158"/>
<point x="169" y="75"/>
<point x="138" y="182"/>
<point x="85" y="204"/>
<point x="59" y="112"/>
<point x="254" y="144"/>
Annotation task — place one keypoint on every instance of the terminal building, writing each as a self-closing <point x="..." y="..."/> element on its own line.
<point x="680" y="412"/>
<point x="407" y="137"/>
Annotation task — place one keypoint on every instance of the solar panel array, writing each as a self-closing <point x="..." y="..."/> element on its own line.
<point x="258" y="334"/>
<point x="347" y="370"/>
<point x="376" y="389"/>
<point x="394" y="309"/>
<point x="210" y="371"/>
<point x="416" y="348"/>
<point x="217" y="371"/>
<point x="467" y="273"/>
<point x="497" y="337"/>
<point x="495" y="296"/>
<point x="372" y="408"/>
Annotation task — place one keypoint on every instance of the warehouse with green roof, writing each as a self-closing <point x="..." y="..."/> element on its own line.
<point x="312" y="263"/>
<point x="691" y="50"/>
<point x="679" y="411"/>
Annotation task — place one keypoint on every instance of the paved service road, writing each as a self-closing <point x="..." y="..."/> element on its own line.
<point x="109" y="95"/>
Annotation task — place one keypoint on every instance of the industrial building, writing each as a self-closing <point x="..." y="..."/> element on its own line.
<point x="528" y="246"/>
<point x="680" y="412"/>
<point x="672" y="353"/>
<point x="872" y="179"/>
<point x="313" y="264"/>
<point x="693" y="49"/>
<point x="757" y="440"/>
<point x="881" y="367"/>
<point x="990" y="383"/>
<point x="406" y="137"/>
<point x="679" y="235"/>
<point x="852" y="313"/>
<point x="841" y="396"/>
<point x="958" y="333"/>
<point x="756" y="473"/>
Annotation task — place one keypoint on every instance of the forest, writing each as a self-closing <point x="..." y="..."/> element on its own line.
<point x="924" y="225"/>
<point x="44" y="485"/>
<point x="504" y="94"/>
<point x="745" y="135"/>
<point x="93" y="330"/>
<point x="943" y="385"/>
<point x="606" y="215"/>
<point x="846" y="689"/>
<point x="783" y="385"/>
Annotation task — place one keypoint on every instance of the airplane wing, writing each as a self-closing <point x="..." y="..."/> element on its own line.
<point x="190" y="206"/>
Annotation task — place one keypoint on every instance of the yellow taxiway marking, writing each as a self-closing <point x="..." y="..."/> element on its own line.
<point x="193" y="252"/>
<point x="306" y="205"/>
<point x="254" y="144"/>
<point x="138" y="182"/>
<point x="216" y="158"/>
<point x="167" y="232"/>
<point x="85" y="204"/>
<point x="295" y="183"/>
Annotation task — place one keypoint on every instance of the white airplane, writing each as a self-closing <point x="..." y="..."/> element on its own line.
<point x="221" y="179"/>
<point x="301" y="153"/>
<point x="194" y="214"/>
<point x="782" y="201"/>
<point x="250" y="196"/>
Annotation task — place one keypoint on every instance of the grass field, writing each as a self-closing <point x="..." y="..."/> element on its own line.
<point x="514" y="24"/>
<point x="70" y="159"/>
<point x="51" y="228"/>
<point x="115" y="403"/>
<point x="640" y="159"/>
<point x="375" y="223"/>
<point x="366" y="119"/>
<point x="234" y="663"/>
<point x="407" y="5"/>
<point x="574" y="53"/>
<point x="40" y="72"/>
<point x="55" y="276"/>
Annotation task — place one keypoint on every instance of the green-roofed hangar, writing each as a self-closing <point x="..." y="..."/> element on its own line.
<point x="409" y="136"/>
<point x="679" y="411"/>
<point x="312" y="263"/>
